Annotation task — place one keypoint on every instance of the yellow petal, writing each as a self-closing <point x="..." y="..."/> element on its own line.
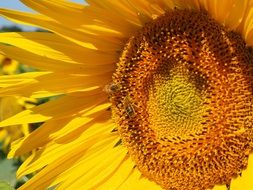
<point x="145" y="10"/>
<point x="24" y="117"/>
<point x="58" y="170"/>
<point x="247" y="27"/>
<point x="137" y="181"/>
<point x="187" y="4"/>
<point x="65" y="124"/>
<point x="101" y="164"/>
<point x="54" y="83"/>
<point x="53" y="151"/>
<point x="80" y="37"/>
<point x="30" y="142"/>
<point x="9" y="106"/>
<point x="229" y="13"/>
<point x="57" y="48"/>
<point x="64" y="9"/>
<point x="32" y="42"/>
<point x="245" y="182"/>
<point x="58" y="10"/>
<point x="71" y="130"/>
<point x="53" y="109"/>
<point x="119" y="176"/>
<point x="21" y="79"/>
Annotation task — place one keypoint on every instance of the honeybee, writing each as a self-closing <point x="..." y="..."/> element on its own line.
<point x="129" y="107"/>
<point x="111" y="88"/>
<point x="130" y="110"/>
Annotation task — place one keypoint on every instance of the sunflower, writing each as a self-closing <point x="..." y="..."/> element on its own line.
<point x="10" y="106"/>
<point x="8" y="66"/>
<point x="155" y="94"/>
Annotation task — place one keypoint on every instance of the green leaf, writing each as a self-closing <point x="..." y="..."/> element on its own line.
<point x="5" y="186"/>
<point x="8" y="172"/>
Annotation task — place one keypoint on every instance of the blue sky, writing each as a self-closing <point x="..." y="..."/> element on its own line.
<point x="17" y="5"/>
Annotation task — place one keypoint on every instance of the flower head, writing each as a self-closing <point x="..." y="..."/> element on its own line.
<point x="10" y="106"/>
<point x="155" y="94"/>
<point x="8" y="66"/>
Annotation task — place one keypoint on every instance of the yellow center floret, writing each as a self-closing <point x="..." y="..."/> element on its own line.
<point x="182" y="101"/>
<point x="175" y="106"/>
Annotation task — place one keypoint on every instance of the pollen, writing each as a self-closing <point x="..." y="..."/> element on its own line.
<point x="183" y="104"/>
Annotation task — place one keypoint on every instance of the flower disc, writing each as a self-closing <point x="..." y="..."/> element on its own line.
<point x="182" y="99"/>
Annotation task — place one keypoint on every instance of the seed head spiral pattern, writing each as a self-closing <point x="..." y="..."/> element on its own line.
<point x="183" y="102"/>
